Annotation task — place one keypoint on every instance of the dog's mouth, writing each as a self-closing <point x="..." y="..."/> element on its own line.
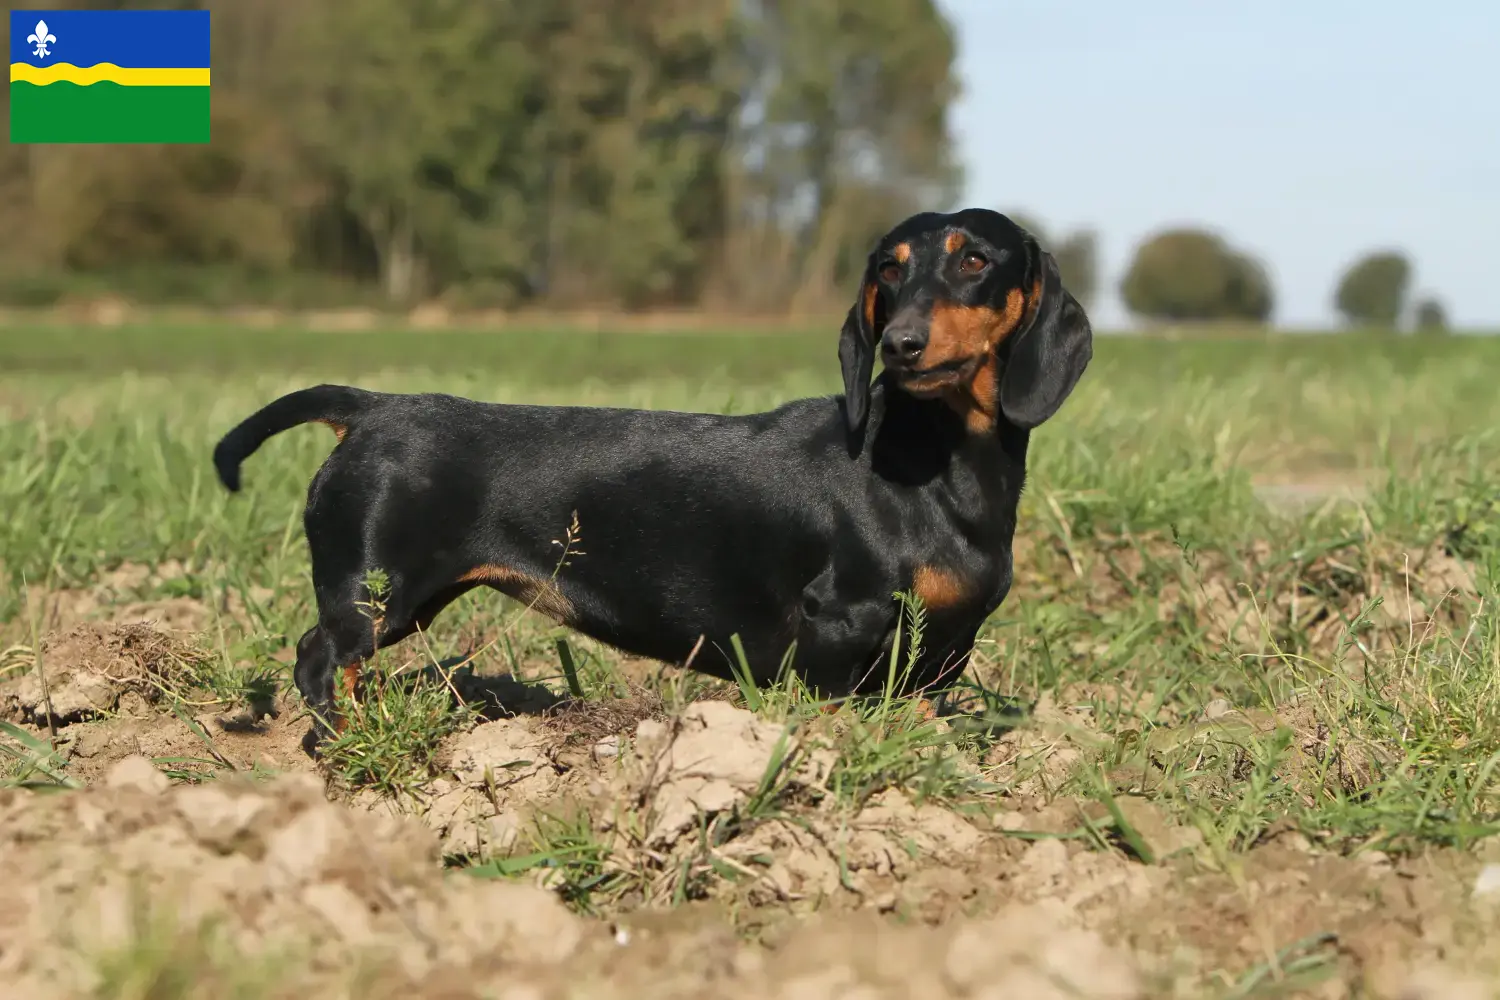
<point x="936" y="379"/>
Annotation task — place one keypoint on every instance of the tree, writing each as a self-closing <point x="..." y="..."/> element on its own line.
<point x="840" y="99"/>
<point x="1192" y="275"/>
<point x="1078" y="262"/>
<point x="1249" y="295"/>
<point x="1373" y="290"/>
<point x="1076" y="255"/>
<point x="399" y="103"/>
<point x="577" y="152"/>
<point x="1431" y="317"/>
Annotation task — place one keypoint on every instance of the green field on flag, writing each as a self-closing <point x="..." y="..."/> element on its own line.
<point x="107" y="112"/>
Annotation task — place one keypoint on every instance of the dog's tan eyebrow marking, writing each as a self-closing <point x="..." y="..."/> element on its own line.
<point x="902" y="253"/>
<point x="955" y="242"/>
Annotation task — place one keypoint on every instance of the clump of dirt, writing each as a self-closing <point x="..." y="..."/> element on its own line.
<point x="1020" y="952"/>
<point x="322" y="898"/>
<point x="196" y="746"/>
<point x="894" y="854"/>
<point x="709" y="760"/>
<point x="114" y="691"/>
<point x="277" y="867"/>
<point x="87" y="671"/>
<point x="318" y="888"/>
<point x="576" y="720"/>
<point x="680" y="802"/>
<point x="498" y="775"/>
<point x="711" y="804"/>
<point x="1035" y="760"/>
<point x="275" y="872"/>
<point x="719" y="802"/>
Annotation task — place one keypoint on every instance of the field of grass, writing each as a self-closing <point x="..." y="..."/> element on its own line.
<point x="1252" y="636"/>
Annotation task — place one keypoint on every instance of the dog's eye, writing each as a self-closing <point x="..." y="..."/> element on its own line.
<point x="972" y="263"/>
<point x="890" y="273"/>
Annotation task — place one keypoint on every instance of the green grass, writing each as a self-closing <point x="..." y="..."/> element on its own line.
<point x="108" y="461"/>
<point x="1152" y="582"/>
<point x="552" y="358"/>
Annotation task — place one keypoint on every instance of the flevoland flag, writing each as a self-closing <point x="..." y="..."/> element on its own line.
<point x="109" y="76"/>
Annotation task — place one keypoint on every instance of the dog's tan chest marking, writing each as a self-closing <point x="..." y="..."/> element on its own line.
<point x="540" y="595"/>
<point x="939" y="588"/>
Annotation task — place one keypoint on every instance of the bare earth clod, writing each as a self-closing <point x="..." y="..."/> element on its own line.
<point x="912" y="898"/>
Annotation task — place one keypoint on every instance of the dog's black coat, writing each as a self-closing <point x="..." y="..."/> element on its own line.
<point x="798" y="524"/>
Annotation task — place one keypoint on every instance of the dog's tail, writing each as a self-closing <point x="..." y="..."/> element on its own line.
<point x="335" y="405"/>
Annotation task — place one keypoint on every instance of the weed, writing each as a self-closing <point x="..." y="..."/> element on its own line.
<point x="30" y="762"/>
<point x="394" y="729"/>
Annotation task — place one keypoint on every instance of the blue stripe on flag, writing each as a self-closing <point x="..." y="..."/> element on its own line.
<point x="136" y="39"/>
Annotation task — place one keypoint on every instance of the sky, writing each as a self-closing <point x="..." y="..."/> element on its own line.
<point x="1304" y="132"/>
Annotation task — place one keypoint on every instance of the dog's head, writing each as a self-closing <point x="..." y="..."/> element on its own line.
<point x="967" y="308"/>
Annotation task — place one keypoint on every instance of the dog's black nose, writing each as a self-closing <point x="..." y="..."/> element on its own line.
<point x="903" y="346"/>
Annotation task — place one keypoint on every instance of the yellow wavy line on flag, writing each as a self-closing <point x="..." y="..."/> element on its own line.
<point x="107" y="73"/>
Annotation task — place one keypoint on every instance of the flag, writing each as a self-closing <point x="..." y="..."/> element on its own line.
<point x="109" y="76"/>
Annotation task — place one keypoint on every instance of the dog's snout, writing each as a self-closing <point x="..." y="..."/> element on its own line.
<point x="903" y="344"/>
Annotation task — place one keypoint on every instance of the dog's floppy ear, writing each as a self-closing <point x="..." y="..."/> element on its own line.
<point x="862" y="330"/>
<point x="1049" y="354"/>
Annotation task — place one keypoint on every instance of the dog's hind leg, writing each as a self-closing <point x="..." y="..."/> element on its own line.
<point x="330" y="652"/>
<point x="314" y="662"/>
<point x="331" y="655"/>
<point x="313" y="676"/>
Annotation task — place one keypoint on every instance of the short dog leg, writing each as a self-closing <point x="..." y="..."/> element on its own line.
<point x="314" y="664"/>
<point x="322" y="663"/>
<point x="940" y="667"/>
<point x="314" y="661"/>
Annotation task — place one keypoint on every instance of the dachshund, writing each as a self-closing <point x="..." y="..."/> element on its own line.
<point x="793" y="530"/>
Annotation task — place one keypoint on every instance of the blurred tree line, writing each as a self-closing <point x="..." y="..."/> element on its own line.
<point x="1077" y="255"/>
<point x="1195" y="276"/>
<point x="1191" y="275"/>
<point x="724" y="154"/>
<point x="735" y="153"/>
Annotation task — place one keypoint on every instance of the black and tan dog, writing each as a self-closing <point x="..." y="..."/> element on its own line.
<point x="792" y="526"/>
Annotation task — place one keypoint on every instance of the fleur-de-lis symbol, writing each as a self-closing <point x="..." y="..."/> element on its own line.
<point x="40" y="40"/>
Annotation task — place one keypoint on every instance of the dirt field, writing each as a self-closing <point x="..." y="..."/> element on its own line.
<point x="1234" y="735"/>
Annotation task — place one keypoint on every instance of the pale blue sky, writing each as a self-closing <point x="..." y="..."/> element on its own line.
<point x="1306" y="132"/>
